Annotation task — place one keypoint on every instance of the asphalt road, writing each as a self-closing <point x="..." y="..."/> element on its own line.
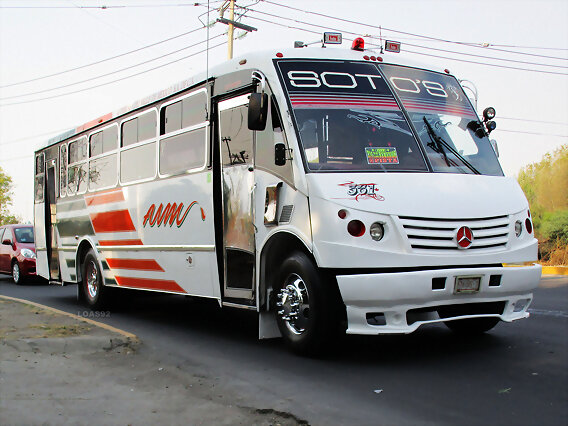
<point x="514" y="375"/>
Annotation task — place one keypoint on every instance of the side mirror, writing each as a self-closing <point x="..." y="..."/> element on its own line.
<point x="279" y="154"/>
<point x="257" y="111"/>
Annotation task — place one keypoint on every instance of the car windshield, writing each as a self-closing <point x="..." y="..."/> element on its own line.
<point x="445" y="121"/>
<point x="24" y="235"/>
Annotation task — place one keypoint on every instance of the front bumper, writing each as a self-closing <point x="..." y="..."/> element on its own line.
<point x="28" y="267"/>
<point x="399" y="303"/>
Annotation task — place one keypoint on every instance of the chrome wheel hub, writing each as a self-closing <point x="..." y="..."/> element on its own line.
<point x="92" y="280"/>
<point x="292" y="303"/>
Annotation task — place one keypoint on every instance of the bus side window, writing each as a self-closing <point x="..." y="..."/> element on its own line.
<point x="172" y="117"/>
<point x="139" y="162"/>
<point x="63" y="170"/>
<point x="39" y="179"/>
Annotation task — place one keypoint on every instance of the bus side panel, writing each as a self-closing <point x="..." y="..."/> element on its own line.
<point x="159" y="235"/>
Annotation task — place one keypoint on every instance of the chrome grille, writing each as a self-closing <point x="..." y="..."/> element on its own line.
<point x="440" y="234"/>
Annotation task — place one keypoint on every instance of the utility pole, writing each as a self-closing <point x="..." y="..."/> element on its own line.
<point x="231" y="27"/>
<point x="230" y="4"/>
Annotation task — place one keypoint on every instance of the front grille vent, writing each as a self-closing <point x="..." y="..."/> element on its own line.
<point x="430" y="234"/>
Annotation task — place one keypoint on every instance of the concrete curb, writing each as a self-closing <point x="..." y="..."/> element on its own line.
<point x="555" y="270"/>
<point x="126" y="334"/>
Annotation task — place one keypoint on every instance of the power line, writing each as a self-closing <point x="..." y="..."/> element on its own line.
<point x="410" y="44"/>
<point x="104" y="7"/>
<point x="533" y="133"/>
<point x="107" y="74"/>
<point x="488" y="57"/>
<point x="103" y="60"/>
<point x="408" y="33"/>
<point x="486" y="64"/>
<point x="410" y="51"/>
<point x="535" y="121"/>
<point x="114" y="81"/>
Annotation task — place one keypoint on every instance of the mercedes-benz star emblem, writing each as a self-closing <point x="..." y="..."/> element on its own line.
<point x="464" y="237"/>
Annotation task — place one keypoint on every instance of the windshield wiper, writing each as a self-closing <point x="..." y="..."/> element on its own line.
<point x="438" y="145"/>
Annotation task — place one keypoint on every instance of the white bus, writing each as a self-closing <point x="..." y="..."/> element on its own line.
<point x="329" y="190"/>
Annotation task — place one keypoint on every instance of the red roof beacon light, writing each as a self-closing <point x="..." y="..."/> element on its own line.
<point x="392" y="46"/>
<point x="358" y="44"/>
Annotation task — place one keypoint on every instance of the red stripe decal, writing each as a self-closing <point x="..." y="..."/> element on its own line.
<point x="104" y="197"/>
<point x="120" y="243"/>
<point x="148" y="284"/>
<point x="135" y="264"/>
<point x="115" y="221"/>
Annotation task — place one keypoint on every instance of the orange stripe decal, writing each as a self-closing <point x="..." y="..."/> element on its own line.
<point x="104" y="197"/>
<point x="120" y="243"/>
<point x="114" y="221"/>
<point x="149" y="284"/>
<point x="135" y="264"/>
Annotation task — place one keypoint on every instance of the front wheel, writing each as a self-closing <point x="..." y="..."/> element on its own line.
<point x="306" y="309"/>
<point x="17" y="273"/>
<point x="94" y="293"/>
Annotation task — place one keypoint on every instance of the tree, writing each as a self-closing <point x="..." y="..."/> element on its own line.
<point x="6" y="199"/>
<point x="546" y="186"/>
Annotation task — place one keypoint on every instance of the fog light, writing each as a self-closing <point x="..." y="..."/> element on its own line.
<point x="377" y="231"/>
<point x="518" y="228"/>
<point x="520" y="305"/>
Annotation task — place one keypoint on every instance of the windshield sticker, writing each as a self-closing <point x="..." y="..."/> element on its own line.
<point x="381" y="155"/>
<point x="356" y="191"/>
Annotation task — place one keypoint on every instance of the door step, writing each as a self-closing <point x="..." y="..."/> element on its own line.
<point x="239" y="306"/>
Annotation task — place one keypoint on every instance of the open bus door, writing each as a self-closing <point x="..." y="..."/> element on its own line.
<point x="50" y="221"/>
<point x="237" y="180"/>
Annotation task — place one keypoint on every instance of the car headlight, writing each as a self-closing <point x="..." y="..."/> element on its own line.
<point x="29" y="254"/>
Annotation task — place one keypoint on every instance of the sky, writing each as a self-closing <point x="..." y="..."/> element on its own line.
<point x="83" y="50"/>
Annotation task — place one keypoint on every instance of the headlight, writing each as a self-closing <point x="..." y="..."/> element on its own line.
<point x="518" y="228"/>
<point x="377" y="231"/>
<point x="27" y="253"/>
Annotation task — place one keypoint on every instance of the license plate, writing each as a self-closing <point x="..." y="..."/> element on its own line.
<point x="467" y="284"/>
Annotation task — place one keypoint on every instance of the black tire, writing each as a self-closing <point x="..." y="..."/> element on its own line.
<point x="472" y="326"/>
<point x="94" y="293"/>
<point x="315" y="321"/>
<point x="17" y="274"/>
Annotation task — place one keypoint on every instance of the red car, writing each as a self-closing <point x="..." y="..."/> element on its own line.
<point x="17" y="252"/>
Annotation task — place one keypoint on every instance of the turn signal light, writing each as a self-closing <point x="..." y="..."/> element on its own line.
<point x="356" y="228"/>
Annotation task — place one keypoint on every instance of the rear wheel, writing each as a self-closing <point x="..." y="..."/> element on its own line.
<point x="16" y="273"/>
<point x="306" y="309"/>
<point x="95" y="295"/>
<point x="472" y="325"/>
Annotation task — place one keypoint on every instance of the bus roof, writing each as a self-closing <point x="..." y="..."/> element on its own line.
<point x="255" y="60"/>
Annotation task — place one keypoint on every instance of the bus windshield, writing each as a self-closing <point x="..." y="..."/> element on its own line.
<point x="444" y="120"/>
<point x="349" y="119"/>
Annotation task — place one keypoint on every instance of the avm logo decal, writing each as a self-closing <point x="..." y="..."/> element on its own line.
<point x="170" y="214"/>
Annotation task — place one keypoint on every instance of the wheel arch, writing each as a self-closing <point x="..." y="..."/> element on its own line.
<point x="274" y="250"/>
<point x="82" y="249"/>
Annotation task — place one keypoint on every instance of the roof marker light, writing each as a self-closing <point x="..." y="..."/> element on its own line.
<point x="447" y="71"/>
<point x="366" y="58"/>
<point x="358" y="44"/>
<point x="379" y="59"/>
<point x="373" y="58"/>
<point x="279" y="55"/>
